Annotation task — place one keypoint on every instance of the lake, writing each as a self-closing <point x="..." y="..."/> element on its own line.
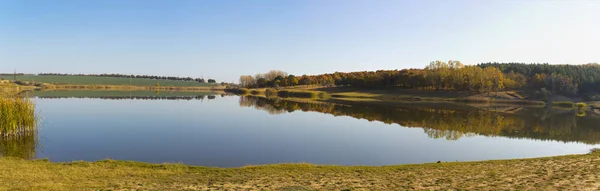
<point x="210" y="129"/>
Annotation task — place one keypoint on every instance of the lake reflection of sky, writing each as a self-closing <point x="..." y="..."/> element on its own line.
<point x="219" y="132"/>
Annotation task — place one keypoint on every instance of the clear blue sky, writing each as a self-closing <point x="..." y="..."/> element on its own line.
<point x="223" y="39"/>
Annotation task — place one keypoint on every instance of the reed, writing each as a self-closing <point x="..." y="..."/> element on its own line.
<point x="16" y="116"/>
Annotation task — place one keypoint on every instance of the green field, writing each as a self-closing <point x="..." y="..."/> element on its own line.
<point x="92" y="80"/>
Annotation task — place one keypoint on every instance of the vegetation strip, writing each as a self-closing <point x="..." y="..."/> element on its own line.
<point x="571" y="172"/>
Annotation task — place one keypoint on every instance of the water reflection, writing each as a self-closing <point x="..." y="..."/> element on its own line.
<point x="22" y="146"/>
<point x="201" y="97"/>
<point x="124" y="95"/>
<point x="457" y="121"/>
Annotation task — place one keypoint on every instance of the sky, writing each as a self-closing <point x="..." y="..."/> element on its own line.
<point x="224" y="39"/>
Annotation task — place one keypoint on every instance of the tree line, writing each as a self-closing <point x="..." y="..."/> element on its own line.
<point x="200" y="80"/>
<point x="11" y="74"/>
<point x="452" y="76"/>
<point x="563" y="78"/>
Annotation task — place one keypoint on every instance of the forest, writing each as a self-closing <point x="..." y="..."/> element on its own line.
<point x="452" y="76"/>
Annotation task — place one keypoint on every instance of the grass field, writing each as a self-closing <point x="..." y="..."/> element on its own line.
<point x="91" y="80"/>
<point x="572" y="172"/>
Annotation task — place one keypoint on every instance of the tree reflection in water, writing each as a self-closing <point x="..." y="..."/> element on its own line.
<point x="455" y="122"/>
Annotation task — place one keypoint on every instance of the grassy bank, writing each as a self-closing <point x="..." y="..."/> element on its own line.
<point x="391" y="95"/>
<point x="16" y="116"/>
<point x="410" y="96"/>
<point x="9" y="89"/>
<point x="573" y="172"/>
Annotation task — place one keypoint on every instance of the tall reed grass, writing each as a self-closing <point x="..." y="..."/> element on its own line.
<point x="17" y="116"/>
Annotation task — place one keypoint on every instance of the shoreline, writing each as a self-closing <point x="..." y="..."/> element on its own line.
<point x="578" y="172"/>
<point x="409" y="96"/>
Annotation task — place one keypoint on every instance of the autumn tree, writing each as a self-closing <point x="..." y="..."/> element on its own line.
<point x="247" y="81"/>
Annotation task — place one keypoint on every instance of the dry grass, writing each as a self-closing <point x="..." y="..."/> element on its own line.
<point x="9" y="89"/>
<point x="574" y="172"/>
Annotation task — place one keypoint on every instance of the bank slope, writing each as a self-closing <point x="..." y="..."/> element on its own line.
<point x="572" y="172"/>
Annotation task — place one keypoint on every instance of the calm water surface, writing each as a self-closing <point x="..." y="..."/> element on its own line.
<point x="235" y="131"/>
